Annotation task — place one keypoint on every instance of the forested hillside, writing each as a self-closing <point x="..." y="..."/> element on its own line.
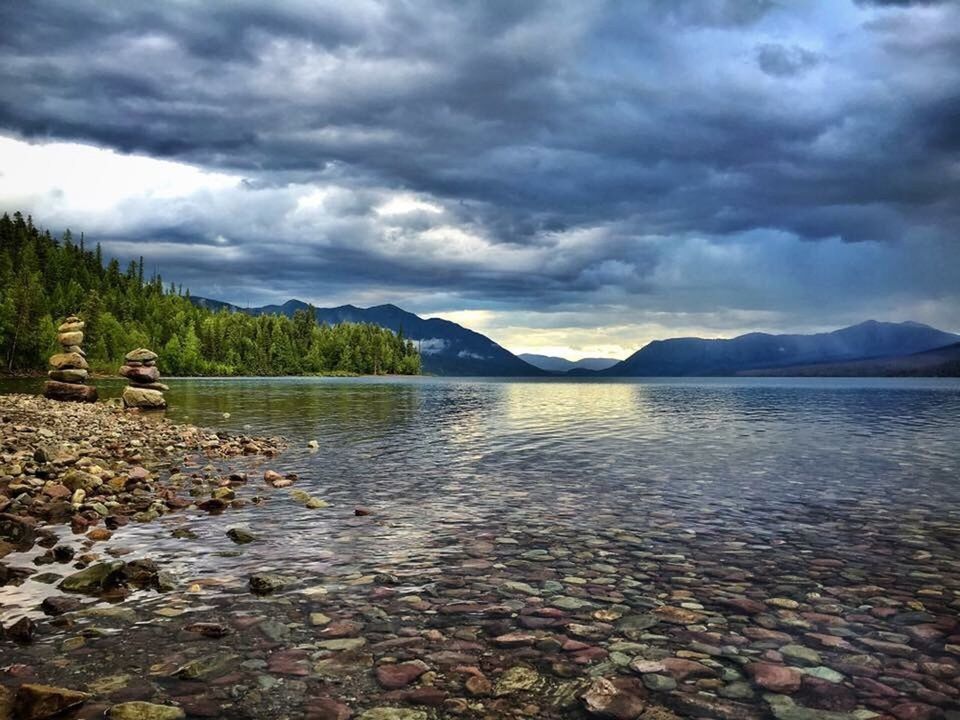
<point x="43" y="278"/>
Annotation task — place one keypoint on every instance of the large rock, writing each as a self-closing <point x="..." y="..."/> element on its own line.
<point x="142" y="374"/>
<point x="38" y="702"/>
<point x="143" y="398"/>
<point x="70" y="338"/>
<point x="144" y="711"/>
<point x="141" y="355"/>
<point x="95" y="578"/>
<point x="62" y="361"/>
<point x="69" y="375"/>
<point x="396" y="676"/>
<point x="776" y="678"/>
<point x="18" y="530"/>
<point x="73" y="392"/>
<point x="617" y="698"/>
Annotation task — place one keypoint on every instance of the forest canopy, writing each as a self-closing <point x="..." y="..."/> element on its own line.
<point x="43" y="279"/>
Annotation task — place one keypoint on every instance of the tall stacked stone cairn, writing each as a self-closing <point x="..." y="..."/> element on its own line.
<point x="69" y="374"/>
<point x="145" y="390"/>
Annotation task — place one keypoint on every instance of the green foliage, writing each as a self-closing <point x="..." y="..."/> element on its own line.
<point x="43" y="279"/>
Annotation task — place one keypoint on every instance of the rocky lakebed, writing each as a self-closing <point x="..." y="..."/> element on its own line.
<point x="678" y="608"/>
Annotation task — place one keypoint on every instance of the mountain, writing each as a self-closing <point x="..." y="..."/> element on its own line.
<point x="681" y="357"/>
<point x="446" y="348"/>
<point x="940" y="362"/>
<point x="562" y="365"/>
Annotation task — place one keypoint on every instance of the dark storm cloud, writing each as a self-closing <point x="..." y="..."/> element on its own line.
<point x="645" y="125"/>
<point x="784" y="61"/>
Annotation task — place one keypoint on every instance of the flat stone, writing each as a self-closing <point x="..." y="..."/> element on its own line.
<point x="69" y="392"/>
<point x="390" y="713"/>
<point x="339" y="644"/>
<point x="394" y="677"/>
<point x="775" y="678"/>
<point x="144" y="711"/>
<point x="63" y="361"/>
<point x="801" y="655"/>
<point x="140" y="355"/>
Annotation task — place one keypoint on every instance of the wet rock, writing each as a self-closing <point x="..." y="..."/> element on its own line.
<point x="207" y="667"/>
<point x="394" y="677"/>
<point x="327" y="709"/>
<point x="702" y="705"/>
<point x="801" y="655"/>
<point x="916" y="711"/>
<point x="518" y="678"/>
<point x="241" y="535"/>
<point x="826" y="695"/>
<point x="389" y="713"/>
<point x="144" y="711"/>
<point x="38" y="702"/>
<point x="341" y="644"/>
<point x="94" y="579"/>
<point x="208" y="629"/>
<point x="679" y="615"/>
<point x="618" y="698"/>
<point x="59" y="604"/>
<point x="266" y="583"/>
<point x="784" y="708"/>
<point x="21" y="631"/>
<point x="20" y="531"/>
<point x="775" y="678"/>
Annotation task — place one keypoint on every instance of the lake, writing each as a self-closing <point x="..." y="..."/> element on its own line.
<point x="834" y="503"/>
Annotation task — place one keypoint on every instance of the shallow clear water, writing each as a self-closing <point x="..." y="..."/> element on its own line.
<point x="760" y="475"/>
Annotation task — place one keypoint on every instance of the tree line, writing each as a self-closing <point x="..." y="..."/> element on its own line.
<point x="43" y="279"/>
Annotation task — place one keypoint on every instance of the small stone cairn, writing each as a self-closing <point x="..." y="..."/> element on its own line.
<point x="145" y="390"/>
<point x="69" y="375"/>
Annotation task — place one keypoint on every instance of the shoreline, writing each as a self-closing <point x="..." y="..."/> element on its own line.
<point x="91" y="468"/>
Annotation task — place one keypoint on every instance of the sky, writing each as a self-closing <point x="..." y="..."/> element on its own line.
<point x="570" y="178"/>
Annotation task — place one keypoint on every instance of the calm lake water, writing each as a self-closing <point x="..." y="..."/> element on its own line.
<point x="643" y="492"/>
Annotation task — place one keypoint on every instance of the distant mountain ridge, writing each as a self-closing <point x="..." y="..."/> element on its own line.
<point x="939" y="362"/>
<point x="451" y="349"/>
<point x="562" y="365"/>
<point x="446" y="348"/>
<point x="689" y="357"/>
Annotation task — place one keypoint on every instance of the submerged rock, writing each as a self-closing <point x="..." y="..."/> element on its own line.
<point x="144" y="711"/>
<point x="39" y="702"/>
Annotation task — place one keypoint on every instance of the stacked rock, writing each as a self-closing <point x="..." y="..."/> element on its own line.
<point x="69" y="375"/>
<point x="145" y="389"/>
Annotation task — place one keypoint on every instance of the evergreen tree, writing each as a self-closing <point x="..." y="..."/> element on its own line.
<point x="43" y="279"/>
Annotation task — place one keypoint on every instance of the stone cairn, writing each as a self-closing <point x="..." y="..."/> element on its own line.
<point x="69" y="375"/>
<point x="145" y="389"/>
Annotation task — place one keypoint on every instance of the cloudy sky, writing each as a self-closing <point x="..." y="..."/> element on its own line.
<point x="568" y="177"/>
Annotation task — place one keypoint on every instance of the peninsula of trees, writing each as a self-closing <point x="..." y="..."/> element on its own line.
<point x="43" y="278"/>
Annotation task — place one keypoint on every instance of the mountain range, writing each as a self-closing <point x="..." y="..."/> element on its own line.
<point x="869" y="348"/>
<point x="562" y="365"/>
<point x="446" y="348"/>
